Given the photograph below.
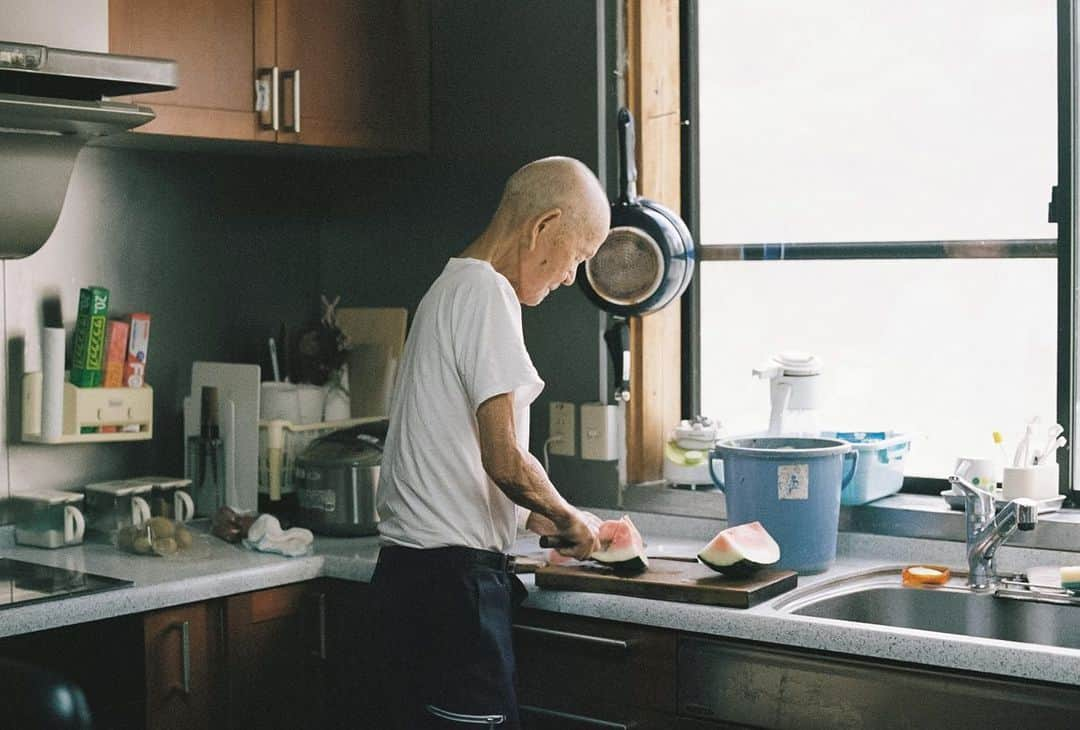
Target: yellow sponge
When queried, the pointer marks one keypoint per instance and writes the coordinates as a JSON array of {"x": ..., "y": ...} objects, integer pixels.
[{"x": 1070, "y": 578}]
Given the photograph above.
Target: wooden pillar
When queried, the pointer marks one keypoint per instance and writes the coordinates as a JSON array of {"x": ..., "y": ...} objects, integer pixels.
[{"x": 652, "y": 28}]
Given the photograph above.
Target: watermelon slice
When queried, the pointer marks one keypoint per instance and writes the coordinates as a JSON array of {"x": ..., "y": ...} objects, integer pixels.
[
  {"x": 621, "y": 546},
  {"x": 741, "y": 550}
]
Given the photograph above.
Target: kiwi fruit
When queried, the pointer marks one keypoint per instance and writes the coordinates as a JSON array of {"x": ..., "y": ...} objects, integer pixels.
[
  {"x": 165, "y": 546},
  {"x": 183, "y": 538},
  {"x": 142, "y": 545},
  {"x": 162, "y": 527}
]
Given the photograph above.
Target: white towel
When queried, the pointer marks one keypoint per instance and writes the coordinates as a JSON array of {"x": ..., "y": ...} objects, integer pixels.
[{"x": 266, "y": 535}]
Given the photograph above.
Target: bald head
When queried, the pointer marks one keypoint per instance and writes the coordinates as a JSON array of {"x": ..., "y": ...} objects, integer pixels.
[{"x": 561, "y": 183}]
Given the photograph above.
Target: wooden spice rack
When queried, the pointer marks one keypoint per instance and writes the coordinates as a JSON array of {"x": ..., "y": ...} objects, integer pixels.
[{"x": 90, "y": 407}]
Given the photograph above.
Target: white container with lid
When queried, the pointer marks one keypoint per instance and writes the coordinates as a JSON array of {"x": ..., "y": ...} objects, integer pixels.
[{"x": 49, "y": 518}]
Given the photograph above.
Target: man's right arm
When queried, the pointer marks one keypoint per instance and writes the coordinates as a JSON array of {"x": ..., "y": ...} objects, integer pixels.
[{"x": 518, "y": 474}]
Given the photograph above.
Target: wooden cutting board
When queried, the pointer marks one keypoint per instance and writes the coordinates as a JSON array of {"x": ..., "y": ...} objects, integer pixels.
[{"x": 670, "y": 580}]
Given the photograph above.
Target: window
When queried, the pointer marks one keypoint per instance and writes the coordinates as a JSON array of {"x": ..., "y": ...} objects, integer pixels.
[{"x": 874, "y": 180}]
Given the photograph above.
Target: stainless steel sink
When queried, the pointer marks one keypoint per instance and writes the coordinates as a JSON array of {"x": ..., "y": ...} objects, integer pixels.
[{"x": 878, "y": 597}]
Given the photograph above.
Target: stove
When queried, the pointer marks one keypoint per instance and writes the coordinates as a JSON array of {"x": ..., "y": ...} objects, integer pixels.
[{"x": 22, "y": 583}]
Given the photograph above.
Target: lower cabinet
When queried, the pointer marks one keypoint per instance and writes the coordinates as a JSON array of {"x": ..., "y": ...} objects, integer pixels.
[
  {"x": 183, "y": 650},
  {"x": 585, "y": 673}
]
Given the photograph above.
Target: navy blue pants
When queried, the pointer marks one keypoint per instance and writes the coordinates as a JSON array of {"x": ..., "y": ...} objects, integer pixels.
[{"x": 443, "y": 635}]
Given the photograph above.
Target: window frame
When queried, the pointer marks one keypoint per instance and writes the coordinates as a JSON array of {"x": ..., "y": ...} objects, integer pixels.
[{"x": 1061, "y": 210}]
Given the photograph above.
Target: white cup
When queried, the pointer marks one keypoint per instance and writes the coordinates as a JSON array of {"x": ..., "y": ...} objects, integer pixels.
[
  {"x": 980, "y": 471},
  {"x": 279, "y": 401},
  {"x": 311, "y": 399},
  {"x": 1036, "y": 482}
]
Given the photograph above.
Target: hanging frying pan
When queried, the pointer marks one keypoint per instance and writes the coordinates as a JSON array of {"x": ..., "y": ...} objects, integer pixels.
[{"x": 647, "y": 260}]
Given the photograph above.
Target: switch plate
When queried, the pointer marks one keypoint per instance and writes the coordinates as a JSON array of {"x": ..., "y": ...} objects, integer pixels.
[
  {"x": 599, "y": 432},
  {"x": 562, "y": 422}
]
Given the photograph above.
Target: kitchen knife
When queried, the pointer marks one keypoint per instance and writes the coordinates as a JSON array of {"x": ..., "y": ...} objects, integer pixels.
[{"x": 551, "y": 541}]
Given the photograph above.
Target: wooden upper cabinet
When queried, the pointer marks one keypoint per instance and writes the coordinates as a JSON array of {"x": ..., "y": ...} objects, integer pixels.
[
  {"x": 214, "y": 44},
  {"x": 357, "y": 72},
  {"x": 364, "y": 72}
]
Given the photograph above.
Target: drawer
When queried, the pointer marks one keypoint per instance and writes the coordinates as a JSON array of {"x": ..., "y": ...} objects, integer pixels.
[{"x": 577, "y": 665}]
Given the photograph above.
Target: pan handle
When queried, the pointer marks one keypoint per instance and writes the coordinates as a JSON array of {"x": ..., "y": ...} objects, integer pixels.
[
  {"x": 616, "y": 337},
  {"x": 627, "y": 163}
]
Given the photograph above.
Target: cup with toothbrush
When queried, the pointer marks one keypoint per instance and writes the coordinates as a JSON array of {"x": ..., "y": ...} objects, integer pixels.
[{"x": 1034, "y": 471}]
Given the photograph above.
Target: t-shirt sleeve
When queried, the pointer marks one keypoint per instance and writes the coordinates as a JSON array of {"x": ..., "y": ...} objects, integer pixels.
[{"x": 489, "y": 346}]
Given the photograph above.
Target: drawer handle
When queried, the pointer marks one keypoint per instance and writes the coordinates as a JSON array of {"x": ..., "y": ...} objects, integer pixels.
[
  {"x": 320, "y": 602},
  {"x": 293, "y": 75},
  {"x": 264, "y": 86},
  {"x": 580, "y": 638},
  {"x": 185, "y": 655},
  {"x": 580, "y": 719}
]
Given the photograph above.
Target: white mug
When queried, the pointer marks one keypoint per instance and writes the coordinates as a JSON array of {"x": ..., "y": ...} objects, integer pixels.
[
  {"x": 311, "y": 399},
  {"x": 980, "y": 471},
  {"x": 1036, "y": 482},
  {"x": 278, "y": 401}
]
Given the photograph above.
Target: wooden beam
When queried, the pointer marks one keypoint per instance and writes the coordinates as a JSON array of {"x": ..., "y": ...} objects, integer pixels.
[{"x": 652, "y": 28}]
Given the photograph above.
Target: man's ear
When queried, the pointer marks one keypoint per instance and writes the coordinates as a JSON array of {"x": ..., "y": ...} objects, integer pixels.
[{"x": 541, "y": 222}]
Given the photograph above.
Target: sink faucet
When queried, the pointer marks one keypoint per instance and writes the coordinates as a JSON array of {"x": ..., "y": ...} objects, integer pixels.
[{"x": 987, "y": 530}]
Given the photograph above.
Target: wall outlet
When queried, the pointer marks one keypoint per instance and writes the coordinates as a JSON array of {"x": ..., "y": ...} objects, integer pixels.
[
  {"x": 562, "y": 424},
  {"x": 599, "y": 432}
]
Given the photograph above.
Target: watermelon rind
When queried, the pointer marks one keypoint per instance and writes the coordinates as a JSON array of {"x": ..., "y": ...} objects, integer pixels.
[{"x": 731, "y": 553}]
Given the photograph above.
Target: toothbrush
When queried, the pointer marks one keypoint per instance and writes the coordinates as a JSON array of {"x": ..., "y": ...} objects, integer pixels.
[
  {"x": 1052, "y": 441},
  {"x": 1000, "y": 441},
  {"x": 1050, "y": 450}
]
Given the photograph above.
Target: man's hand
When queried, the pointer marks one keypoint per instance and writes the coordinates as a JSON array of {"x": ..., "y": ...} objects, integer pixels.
[
  {"x": 580, "y": 535},
  {"x": 541, "y": 525}
]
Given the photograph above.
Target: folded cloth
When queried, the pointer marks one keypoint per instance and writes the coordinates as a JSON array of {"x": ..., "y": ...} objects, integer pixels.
[{"x": 266, "y": 535}]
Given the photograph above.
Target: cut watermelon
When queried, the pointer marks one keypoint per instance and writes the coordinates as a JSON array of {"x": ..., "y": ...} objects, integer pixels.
[
  {"x": 741, "y": 550},
  {"x": 621, "y": 546}
]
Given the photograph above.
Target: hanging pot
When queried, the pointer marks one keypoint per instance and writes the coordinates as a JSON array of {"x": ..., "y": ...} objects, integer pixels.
[{"x": 647, "y": 260}]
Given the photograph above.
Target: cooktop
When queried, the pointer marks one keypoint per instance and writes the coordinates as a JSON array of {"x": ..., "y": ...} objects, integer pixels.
[{"x": 22, "y": 583}]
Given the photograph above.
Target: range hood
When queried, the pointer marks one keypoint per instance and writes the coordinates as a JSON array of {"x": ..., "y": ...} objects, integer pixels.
[{"x": 52, "y": 102}]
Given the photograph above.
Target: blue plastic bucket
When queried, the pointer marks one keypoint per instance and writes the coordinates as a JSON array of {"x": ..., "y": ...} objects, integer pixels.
[{"x": 791, "y": 485}]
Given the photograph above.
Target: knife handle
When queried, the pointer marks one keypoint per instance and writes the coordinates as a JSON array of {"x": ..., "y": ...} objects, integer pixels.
[{"x": 551, "y": 541}]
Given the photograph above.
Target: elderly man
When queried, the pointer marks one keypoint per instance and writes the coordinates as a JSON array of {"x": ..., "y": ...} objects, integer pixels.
[{"x": 457, "y": 478}]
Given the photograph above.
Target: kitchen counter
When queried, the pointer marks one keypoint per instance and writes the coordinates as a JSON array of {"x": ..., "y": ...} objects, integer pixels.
[{"x": 230, "y": 569}]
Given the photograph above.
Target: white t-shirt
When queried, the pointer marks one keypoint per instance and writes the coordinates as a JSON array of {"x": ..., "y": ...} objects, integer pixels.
[{"x": 465, "y": 346}]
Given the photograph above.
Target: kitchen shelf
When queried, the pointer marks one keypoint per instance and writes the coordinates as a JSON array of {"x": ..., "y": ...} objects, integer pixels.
[{"x": 90, "y": 407}]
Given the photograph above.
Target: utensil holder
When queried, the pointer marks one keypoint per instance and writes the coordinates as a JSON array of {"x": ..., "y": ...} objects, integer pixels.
[{"x": 90, "y": 408}]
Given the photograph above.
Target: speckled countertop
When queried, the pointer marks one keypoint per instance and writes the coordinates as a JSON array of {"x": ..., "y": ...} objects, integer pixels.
[{"x": 226, "y": 569}]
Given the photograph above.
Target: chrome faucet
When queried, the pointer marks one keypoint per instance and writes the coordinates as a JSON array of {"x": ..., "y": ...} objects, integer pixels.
[{"x": 987, "y": 530}]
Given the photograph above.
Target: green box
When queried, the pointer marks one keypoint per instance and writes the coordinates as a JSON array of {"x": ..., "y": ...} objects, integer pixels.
[{"x": 88, "y": 358}]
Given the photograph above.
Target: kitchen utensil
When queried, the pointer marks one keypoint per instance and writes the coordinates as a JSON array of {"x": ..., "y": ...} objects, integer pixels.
[
  {"x": 670, "y": 580},
  {"x": 278, "y": 402},
  {"x": 372, "y": 368},
  {"x": 792, "y": 487},
  {"x": 274, "y": 361},
  {"x": 336, "y": 478},
  {"x": 647, "y": 260},
  {"x": 48, "y": 518},
  {"x": 237, "y": 385},
  {"x": 113, "y": 505},
  {"x": 794, "y": 392},
  {"x": 881, "y": 464},
  {"x": 206, "y": 456}
]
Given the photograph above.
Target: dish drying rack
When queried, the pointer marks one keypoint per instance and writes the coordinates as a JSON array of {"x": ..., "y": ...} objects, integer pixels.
[
  {"x": 1022, "y": 590},
  {"x": 281, "y": 442}
]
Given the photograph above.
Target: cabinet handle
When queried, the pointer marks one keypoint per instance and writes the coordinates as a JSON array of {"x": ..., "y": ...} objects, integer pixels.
[
  {"x": 579, "y": 719},
  {"x": 185, "y": 655},
  {"x": 293, "y": 75},
  {"x": 580, "y": 638},
  {"x": 320, "y": 600},
  {"x": 272, "y": 85}
]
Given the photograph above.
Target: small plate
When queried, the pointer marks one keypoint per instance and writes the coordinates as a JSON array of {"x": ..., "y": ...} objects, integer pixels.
[{"x": 1051, "y": 504}]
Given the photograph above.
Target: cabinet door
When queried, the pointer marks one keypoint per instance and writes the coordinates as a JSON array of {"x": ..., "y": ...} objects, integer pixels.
[
  {"x": 218, "y": 51},
  {"x": 364, "y": 73},
  {"x": 276, "y": 641},
  {"x": 182, "y": 660}
]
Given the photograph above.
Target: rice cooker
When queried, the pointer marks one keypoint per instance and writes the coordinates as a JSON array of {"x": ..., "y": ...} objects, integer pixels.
[{"x": 336, "y": 479}]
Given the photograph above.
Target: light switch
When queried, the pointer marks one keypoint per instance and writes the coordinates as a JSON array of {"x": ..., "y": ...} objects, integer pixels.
[{"x": 599, "y": 432}]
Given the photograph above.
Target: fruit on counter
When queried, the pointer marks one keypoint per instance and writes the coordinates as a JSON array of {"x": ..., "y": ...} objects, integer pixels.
[
  {"x": 141, "y": 544},
  {"x": 158, "y": 536},
  {"x": 230, "y": 525},
  {"x": 741, "y": 550},
  {"x": 165, "y": 546},
  {"x": 621, "y": 546},
  {"x": 161, "y": 527},
  {"x": 183, "y": 538}
]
